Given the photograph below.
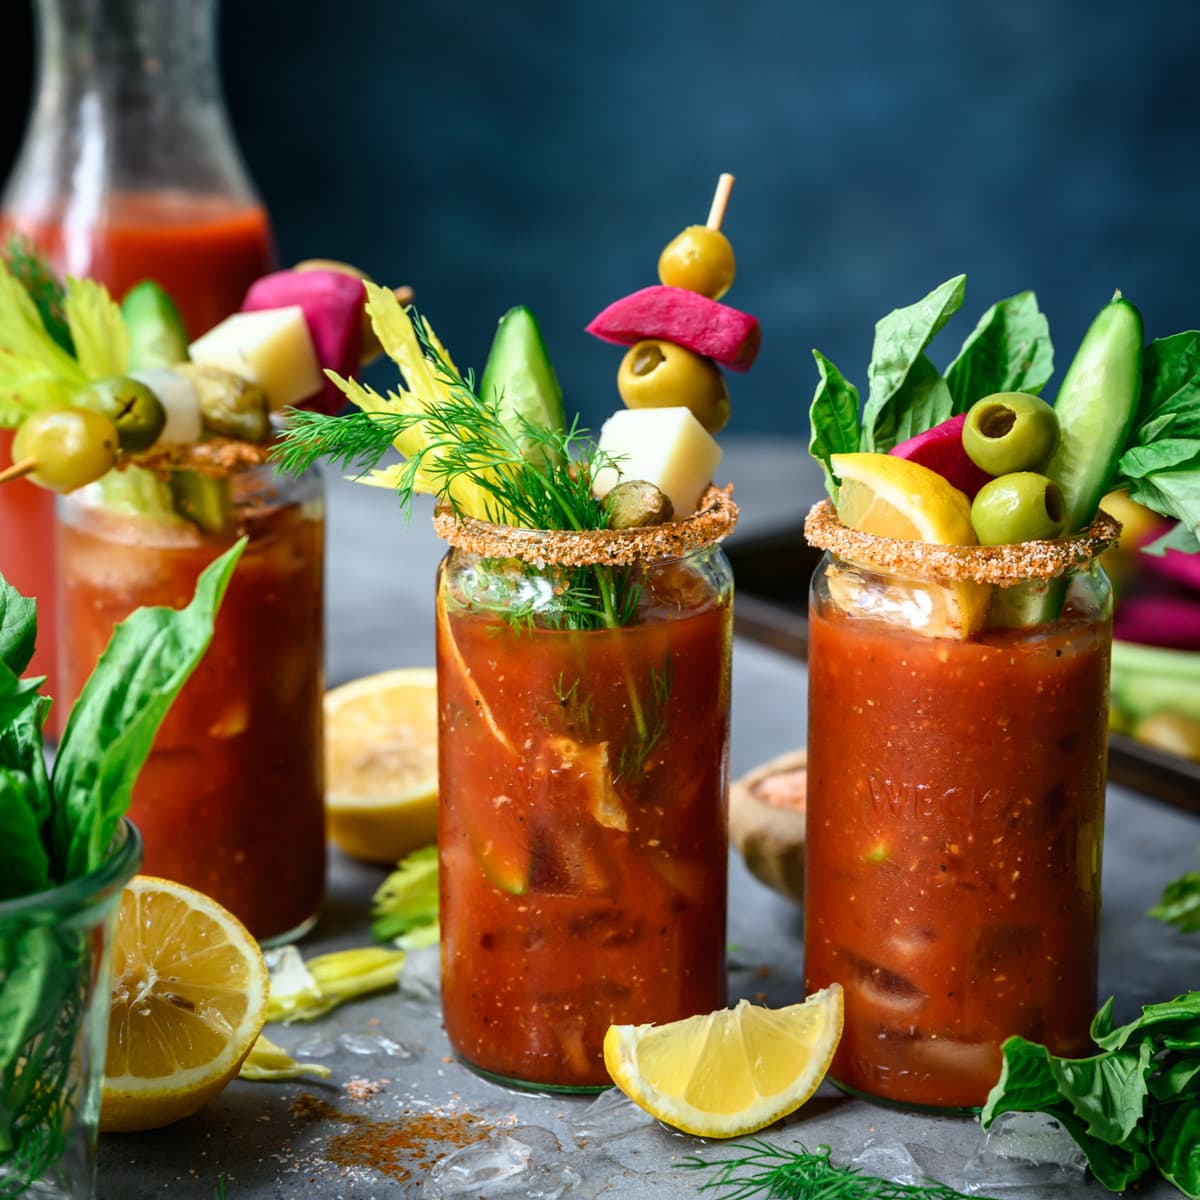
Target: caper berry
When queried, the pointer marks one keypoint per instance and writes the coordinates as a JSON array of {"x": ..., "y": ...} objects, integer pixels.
[
  {"x": 1174, "y": 732},
  {"x": 1010, "y": 431},
  {"x": 230, "y": 406},
  {"x": 698, "y": 259},
  {"x": 1019, "y": 507},
  {"x": 71, "y": 446},
  {"x": 636, "y": 503},
  {"x": 131, "y": 406},
  {"x": 658, "y": 374}
]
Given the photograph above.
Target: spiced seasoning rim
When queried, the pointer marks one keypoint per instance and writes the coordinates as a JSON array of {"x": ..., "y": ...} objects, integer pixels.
[
  {"x": 710, "y": 524},
  {"x": 1002, "y": 566}
]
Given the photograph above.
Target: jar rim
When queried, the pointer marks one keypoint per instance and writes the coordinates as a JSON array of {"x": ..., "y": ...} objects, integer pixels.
[
  {"x": 119, "y": 866},
  {"x": 1002, "y": 566},
  {"x": 216, "y": 456},
  {"x": 711, "y": 523}
]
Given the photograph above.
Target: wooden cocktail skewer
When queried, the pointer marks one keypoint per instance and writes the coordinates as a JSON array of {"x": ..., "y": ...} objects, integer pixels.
[
  {"x": 19, "y": 470},
  {"x": 720, "y": 201}
]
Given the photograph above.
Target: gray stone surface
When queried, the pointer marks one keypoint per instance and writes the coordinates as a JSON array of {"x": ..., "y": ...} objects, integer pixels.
[{"x": 380, "y": 609}]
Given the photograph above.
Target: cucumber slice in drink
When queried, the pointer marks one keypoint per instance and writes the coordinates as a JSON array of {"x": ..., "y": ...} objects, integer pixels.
[
  {"x": 157, "y": 337},
  {"x": 1096, "y": 408},
  {"x": 519, "y": 372}
]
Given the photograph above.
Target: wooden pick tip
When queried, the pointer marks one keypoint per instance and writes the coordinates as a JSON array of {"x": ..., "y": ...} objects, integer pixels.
[
  {"x": 720, "y": 201},
  {"x": 19, "y": 470}
]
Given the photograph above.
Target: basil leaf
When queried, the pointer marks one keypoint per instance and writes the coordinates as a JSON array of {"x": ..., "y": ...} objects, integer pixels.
[
  {"x": 1177, "y": 1077},
  {"x": 18, "y": 627},
  {"x": 24, "y": 865},
  {"x": 832, "y": 418},
  {"x": 1175, "y": 1144},
  {"x": 900, "y": 341},
  {"x": 1170, "y": 385},
  {"x": 1008, "y": 351},
  {"x": 112, "y": 726},
  {"x": 1180, "y": 903},
  {"x": 1178, "y": 1018},
  {"x": 1108, "y": 1091}
]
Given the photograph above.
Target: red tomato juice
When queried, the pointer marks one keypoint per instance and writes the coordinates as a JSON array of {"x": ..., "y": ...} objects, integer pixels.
[
  {"x": 583, "y": 877},
  {"x": 206, "y": 251},
  {"x": 955, "y": 816},
  {"x": 231, "y": 799}
]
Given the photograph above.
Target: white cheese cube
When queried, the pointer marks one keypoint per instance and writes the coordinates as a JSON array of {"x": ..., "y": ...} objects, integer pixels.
[
  {"x": 179, "y": 398},
  {"x": 271, "y": 347},
  {"x": 667, "y": 447}
]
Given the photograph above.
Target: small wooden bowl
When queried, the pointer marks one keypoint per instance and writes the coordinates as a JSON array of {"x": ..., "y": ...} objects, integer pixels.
[{"x": 769, "y": 832}]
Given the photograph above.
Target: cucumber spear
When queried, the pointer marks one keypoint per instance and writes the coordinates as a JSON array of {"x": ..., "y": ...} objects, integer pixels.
[{"x": 1096, "y": 408}]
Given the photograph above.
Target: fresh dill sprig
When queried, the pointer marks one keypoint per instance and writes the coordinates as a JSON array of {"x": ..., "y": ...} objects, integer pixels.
[
  {"x": 515, "y": 471},
  {"x": 762, "y": 1169}
]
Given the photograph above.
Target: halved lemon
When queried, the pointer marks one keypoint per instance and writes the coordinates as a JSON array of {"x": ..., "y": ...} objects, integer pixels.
[
  {"x": 892, "y": 497},
  {"x": 381, "y": 764},
  {"x": 189, "y": 997},
  {"x": 731, "y": 1072}
]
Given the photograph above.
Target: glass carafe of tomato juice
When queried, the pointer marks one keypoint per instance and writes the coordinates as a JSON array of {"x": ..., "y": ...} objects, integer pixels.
[
  {"x": 955, "y": 802},
  {"x": 583, "y": 778},
  {"x": 128, "y": 170}
]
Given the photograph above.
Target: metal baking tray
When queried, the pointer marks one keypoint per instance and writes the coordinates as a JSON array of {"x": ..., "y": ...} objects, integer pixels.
[{"x": 772, "y": 573}]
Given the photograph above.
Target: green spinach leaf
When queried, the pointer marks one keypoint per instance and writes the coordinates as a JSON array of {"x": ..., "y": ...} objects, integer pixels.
[
  {"x": 112, "y": 726},
  {"x": 1008, "y": 351},
  {"x": 833, "y": 418},
  {"x": 902, "y": 396}
]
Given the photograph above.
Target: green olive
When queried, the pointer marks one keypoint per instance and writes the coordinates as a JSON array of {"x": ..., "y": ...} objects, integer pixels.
[
  {"x": 1170, "y": 731},
  {"x": 1019, "y": 507},
  {"x": 131, "y": 406},
  {"x": 230, "y": 406},
  {"x": 698, "y": 259},
  {"x": 1010, "y": 431},
  {"x": 71, "y": 446},
  {"x": 656, "y": 374}
]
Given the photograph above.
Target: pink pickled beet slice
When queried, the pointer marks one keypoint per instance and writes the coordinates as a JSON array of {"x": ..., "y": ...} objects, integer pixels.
[
  {"x": 941, "y": 450},
  {"x": 333, "y": 308},
  {"x": 1173, "y": 567},
  {"x": 1171, "y": 621},
  {"x": 726, "y": 335}
]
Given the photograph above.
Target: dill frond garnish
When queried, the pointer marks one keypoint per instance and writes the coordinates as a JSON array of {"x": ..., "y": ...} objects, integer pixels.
[
  {"x": 758, "y": 1168},
  {"x": 468, "y": 451}
]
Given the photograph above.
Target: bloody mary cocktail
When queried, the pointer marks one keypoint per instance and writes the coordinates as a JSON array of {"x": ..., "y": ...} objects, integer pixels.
[
  {"x": 231, "y": 799},
  {"x": 955, "y": 820},
  {"x": 205, "y": 250},
  {"x": 583, "y": 787}
]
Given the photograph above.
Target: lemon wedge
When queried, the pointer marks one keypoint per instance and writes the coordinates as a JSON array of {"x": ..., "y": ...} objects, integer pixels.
[
  {"x": 189, "y": 998},
  {"x": 381, "y": 764},
  {"x": 892, "y": 497},
  {"x": 730, "y": 1072}
]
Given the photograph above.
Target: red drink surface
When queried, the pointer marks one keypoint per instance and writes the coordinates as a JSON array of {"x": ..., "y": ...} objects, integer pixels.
[
  {"x": 583, "y": 883},
  {"x": 231, "y": 800},
  {"x": 27, "y": 556},
  {"x": 955, "y": 816},
  {"x": 204, "y": 250}
]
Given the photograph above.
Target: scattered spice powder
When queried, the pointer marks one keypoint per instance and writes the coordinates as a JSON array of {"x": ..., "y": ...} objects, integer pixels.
[
  {"x": 410, "y": 1143},
  {"x": 364, "y": 1089}
]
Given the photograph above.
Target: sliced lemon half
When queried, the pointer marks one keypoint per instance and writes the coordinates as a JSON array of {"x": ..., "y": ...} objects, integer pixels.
[
  {"x": 189, "y": 997},
  {"x": 730, "y": 1072},
  {"x": 381, "y": 764},
  {"x": 892, "y": 497}
]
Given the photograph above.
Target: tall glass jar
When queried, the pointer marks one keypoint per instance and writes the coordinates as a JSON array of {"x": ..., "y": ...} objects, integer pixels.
[
  {"x": 55, "y": 974},
  {"x": 231, "y": 799},
  {"x": 128, "y": 170},
  {"x": 956, "y": 773},
  {"x": 583, "y": 782}
]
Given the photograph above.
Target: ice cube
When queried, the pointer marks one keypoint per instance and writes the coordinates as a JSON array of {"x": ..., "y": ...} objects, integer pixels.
[
  {"x": 889, "y": 1160},
  {"x": 1024, "y": 1150},
  {"x": 526, "y": 1161}
]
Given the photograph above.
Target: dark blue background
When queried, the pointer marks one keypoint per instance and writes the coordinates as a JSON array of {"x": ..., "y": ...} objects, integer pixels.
[{"x": 542, "y": 152}]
